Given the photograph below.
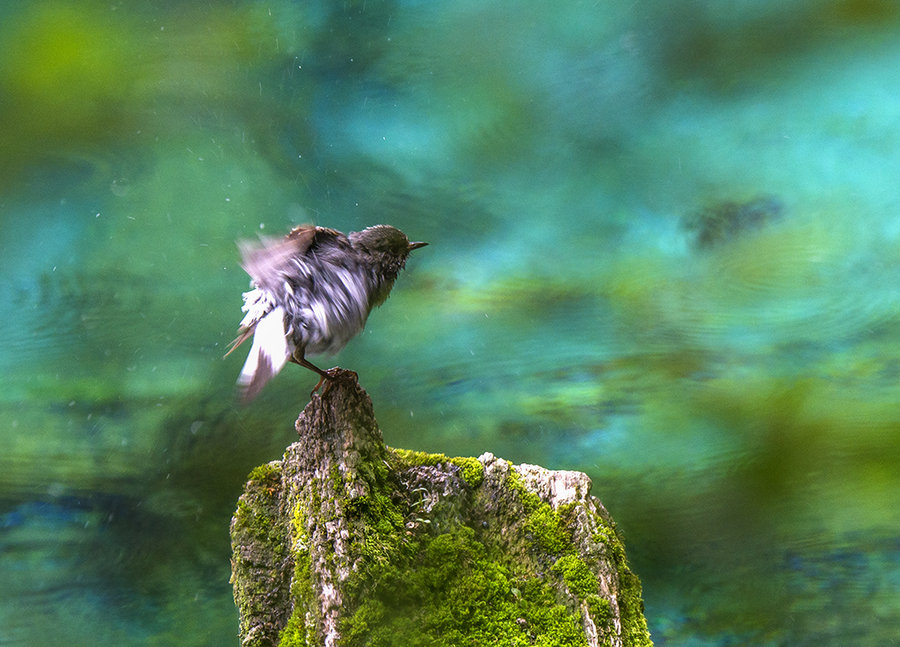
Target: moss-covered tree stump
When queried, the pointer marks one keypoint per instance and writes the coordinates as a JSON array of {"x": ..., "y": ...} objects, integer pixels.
[{"x": 347, "y": 542}]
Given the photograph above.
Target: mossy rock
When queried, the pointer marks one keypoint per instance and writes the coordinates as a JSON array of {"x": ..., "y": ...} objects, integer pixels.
[{"x": 345, "y": 542}]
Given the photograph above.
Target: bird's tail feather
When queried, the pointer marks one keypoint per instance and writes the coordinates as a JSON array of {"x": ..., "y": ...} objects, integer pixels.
[{"x": 268, "y": 354}]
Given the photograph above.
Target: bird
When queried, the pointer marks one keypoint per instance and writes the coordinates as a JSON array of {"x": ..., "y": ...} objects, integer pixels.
[{"x": 311, "y": 293}]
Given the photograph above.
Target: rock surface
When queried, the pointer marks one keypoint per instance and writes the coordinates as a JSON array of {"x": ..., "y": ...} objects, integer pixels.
[{"x": 347, "y": 542}]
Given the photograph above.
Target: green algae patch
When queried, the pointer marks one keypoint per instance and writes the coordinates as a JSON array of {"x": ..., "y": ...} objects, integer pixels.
[{"x": 448, "y": 591}]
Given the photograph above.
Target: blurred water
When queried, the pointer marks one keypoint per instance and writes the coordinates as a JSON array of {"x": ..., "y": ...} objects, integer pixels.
[{"x": 664, "y": 250}]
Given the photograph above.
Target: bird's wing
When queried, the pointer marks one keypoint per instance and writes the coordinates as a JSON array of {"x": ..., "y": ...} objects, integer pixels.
[
  {"x": 264, "y": 260},
  {"x": 327, "y": 238},
  {"x": 302, "y": 235}
]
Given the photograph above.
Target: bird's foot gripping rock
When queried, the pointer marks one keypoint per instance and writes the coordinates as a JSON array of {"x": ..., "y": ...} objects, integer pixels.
[{"x": 332, "y": 375}]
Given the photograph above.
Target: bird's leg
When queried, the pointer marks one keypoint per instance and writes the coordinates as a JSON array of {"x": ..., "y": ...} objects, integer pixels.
[{"x": 298, "y": 358}]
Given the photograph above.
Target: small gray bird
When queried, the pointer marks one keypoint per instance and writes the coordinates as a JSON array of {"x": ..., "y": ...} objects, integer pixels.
[{"x": 312, "y": 292}]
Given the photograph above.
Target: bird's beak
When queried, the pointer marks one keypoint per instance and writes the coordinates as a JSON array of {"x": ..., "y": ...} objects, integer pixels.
[{"x": 413, "y": 246}]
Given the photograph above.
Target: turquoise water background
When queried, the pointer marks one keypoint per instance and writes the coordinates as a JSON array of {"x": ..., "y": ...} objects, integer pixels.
[{"x": 665, "y": 250}]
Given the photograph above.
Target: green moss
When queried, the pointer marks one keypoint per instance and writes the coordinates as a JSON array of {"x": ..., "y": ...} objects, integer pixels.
[
  {"x": 530, "y": 500},
  {"x": 259, "y": 531},
  {"x": 447, "y": 591},
  {"x": 294, "y": 633},
  {"x": 383, "y": 524},
  {"x": 415, "y": 589},
  {"x": 577, "y": 576},
  {"x": 254, "y": 514},
  {"x": 549, "y": 529},
  {"x": 600, "y": 610},
  {"x": 631, "y": 610},
  {"x": 335, "y": 478},
  {"x": 412, "y": 457},
  {"x": 379, "y": 536},
  {"x": 298, "y": 524},
  {"x": 269, "y": 473},
  {"x": 301, "y": 586},
  {"x": 471, "y": 469},
  {"x": 631, "y": 603},
  {"x": 604, "y": 535}
]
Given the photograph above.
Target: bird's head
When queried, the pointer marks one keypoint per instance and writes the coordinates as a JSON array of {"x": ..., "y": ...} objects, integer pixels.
[{"x": 384, "y": 241}]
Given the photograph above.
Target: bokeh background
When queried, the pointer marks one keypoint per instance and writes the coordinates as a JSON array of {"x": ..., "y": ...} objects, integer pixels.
[{"x": 665, "y": 250}]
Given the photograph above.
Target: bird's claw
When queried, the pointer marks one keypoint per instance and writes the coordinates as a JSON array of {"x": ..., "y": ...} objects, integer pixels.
[
  {"x": 319, "y": 385},
  {"x": 329, "y": 377}
]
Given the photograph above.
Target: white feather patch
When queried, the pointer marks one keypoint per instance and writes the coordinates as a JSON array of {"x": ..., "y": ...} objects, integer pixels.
[{"x": 268, "y": 355}]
